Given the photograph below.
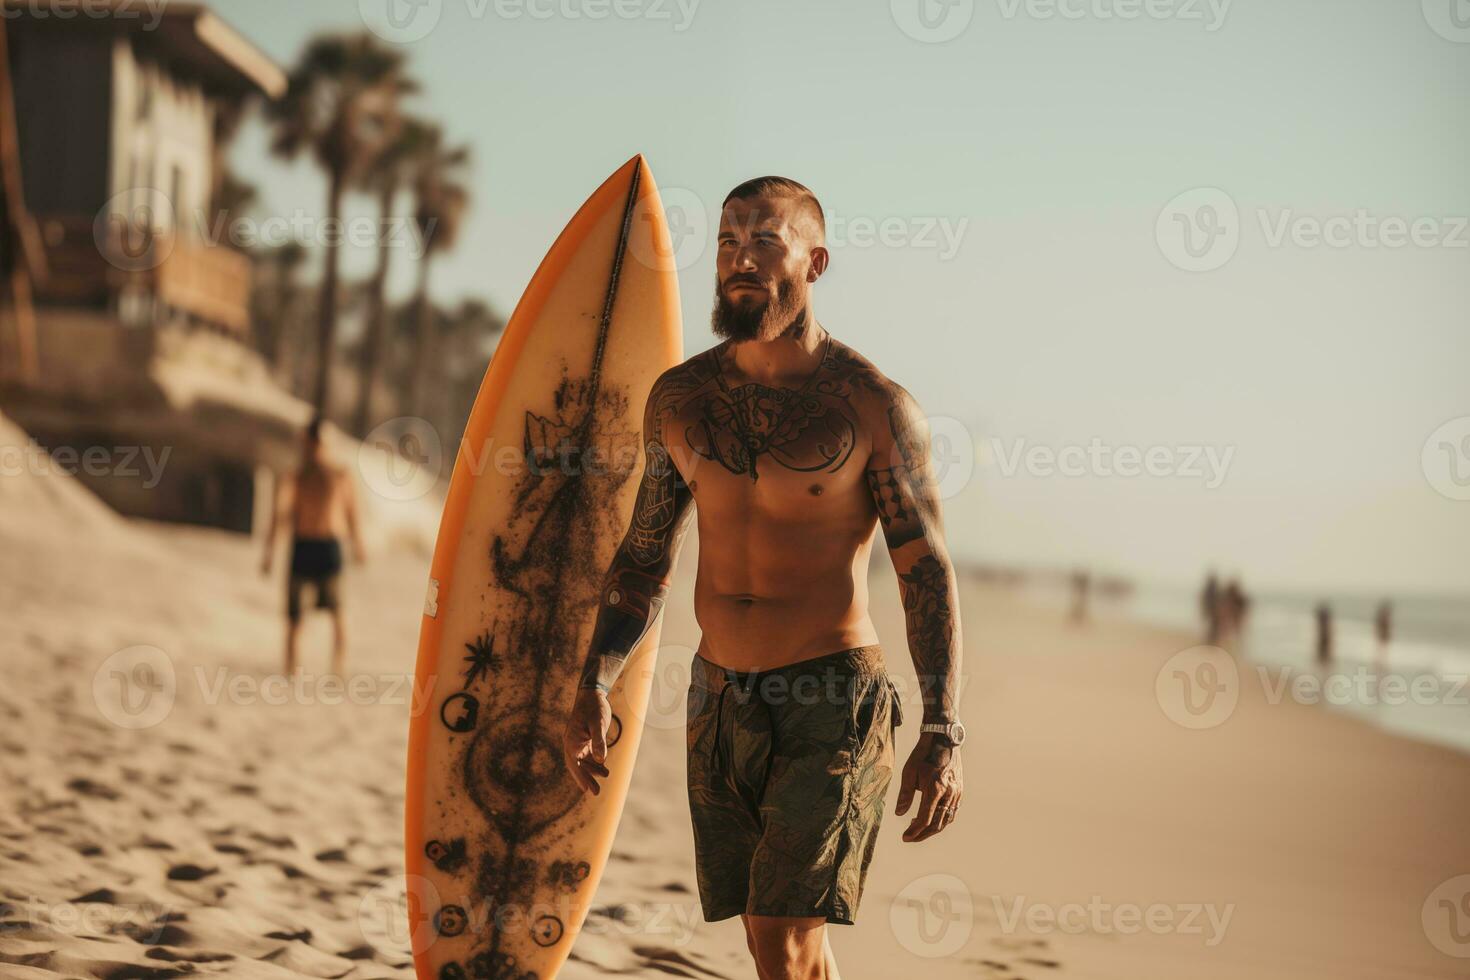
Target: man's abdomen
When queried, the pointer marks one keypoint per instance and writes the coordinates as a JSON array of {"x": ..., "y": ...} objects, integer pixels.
[{"x": 758, "y": 610}]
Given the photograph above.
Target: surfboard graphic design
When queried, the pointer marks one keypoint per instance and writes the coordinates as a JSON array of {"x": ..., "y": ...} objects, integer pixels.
[{"x": 503, "y": 851}]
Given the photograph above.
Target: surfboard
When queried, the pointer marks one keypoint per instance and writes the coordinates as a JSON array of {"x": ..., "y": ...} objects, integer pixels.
[{"x": 503, "y": 851}]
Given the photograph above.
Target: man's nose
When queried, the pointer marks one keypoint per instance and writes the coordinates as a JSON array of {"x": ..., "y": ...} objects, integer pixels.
[{"x": 744, "y": 260}]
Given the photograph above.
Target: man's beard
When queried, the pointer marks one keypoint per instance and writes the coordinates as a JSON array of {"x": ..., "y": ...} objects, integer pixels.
[{"x": 757, "y": 321}]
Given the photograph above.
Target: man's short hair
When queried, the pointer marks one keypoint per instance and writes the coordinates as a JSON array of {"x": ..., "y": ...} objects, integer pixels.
[{"x": 776, "y": 187}]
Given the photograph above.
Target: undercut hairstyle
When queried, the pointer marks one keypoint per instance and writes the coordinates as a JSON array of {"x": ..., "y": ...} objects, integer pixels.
[{"x": 782, "y": 186}]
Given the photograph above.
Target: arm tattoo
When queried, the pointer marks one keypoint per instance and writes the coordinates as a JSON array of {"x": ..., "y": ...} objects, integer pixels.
[
  {"x": 933, "y": 635},
  {"x": 637, "y": 581},
  {"x": 904, "y": 491},
  {"x": 905, "y": 494}
]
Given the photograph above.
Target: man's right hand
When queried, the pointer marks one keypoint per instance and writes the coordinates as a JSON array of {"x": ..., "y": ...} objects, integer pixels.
[{"x": 584, "y": 744}]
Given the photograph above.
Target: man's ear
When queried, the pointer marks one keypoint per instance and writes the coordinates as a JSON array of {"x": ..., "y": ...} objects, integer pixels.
[{"x": 819, "y": 257}]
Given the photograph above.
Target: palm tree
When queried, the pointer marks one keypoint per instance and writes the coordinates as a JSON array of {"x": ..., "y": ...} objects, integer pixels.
[
  {"x": 341, "y": 104},
  {"x": 275, "y": 304},
  {"x": 440, "y": 201},
  {"x": 394, "y": 167}
]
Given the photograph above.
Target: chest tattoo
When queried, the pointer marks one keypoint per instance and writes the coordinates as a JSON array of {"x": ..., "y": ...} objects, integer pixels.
[{"x": 807, "y": 429}]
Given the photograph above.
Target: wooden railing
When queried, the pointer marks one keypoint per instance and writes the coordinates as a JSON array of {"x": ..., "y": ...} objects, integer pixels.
[{"x": 90, "y": 263}]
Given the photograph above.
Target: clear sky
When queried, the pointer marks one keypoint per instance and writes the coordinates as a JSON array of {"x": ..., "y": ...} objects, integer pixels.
[{"x": 1010, "y": 241}]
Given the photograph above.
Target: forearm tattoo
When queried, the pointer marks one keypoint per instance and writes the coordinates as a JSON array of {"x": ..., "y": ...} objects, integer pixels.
[
  {"x": 928, "y": 607},
  {"x": 637, "y": 582}
]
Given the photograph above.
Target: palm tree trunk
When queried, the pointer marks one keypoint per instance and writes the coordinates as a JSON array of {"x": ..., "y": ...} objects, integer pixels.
[
  {"x": 327, "y": 318},
  {"x": 425, "y": 341},
  {"x": 377, "y": 325},
  {"x": 276, "y": 337}
]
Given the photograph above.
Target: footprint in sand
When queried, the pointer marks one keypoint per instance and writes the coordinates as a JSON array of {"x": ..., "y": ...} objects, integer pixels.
[
  {"x": 86, "y": 787},
  {"x": 673, "y": 962},
  {"x": 190, "y": 872},
  {"x": 1049, "y": 964}
]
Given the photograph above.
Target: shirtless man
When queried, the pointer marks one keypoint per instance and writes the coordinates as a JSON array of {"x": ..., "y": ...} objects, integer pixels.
[
  {"x": 796, "y": 449},
  {"x": 319, "y": 503}
]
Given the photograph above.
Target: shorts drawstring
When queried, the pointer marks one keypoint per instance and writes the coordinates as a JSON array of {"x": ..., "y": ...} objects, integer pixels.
[{"x": 714, "y": 747}]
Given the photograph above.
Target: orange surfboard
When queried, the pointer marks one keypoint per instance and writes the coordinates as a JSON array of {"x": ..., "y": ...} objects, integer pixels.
[{"x": 504, "y": 851}]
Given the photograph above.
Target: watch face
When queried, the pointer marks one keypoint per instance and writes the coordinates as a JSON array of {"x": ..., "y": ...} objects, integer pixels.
[{"x": 957, "y": 733}]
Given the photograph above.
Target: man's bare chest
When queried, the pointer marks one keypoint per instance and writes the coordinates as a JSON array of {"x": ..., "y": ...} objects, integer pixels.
[{"x": 753, "y": 432}]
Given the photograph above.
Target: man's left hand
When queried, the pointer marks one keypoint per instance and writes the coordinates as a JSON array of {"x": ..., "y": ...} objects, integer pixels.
[{"x": 933, "y": 770}]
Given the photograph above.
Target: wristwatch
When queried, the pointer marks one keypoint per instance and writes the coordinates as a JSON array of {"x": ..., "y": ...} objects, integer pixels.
[{"x": 953, "y": 730}]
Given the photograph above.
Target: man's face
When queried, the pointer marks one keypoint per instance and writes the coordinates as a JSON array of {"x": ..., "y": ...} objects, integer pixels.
[{"x": 767, "y": 261}]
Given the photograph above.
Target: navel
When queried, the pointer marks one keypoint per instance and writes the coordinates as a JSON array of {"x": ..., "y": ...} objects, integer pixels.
[{"x": 815, "y": 489}]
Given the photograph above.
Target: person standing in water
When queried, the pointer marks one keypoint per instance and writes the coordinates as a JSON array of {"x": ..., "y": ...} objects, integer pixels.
[
  {"x": 1324, "y": 634},
  {"x": 1209, "y": 606},
  {"x": 1383, "y": 630},
  {"x": 319, "y": 503}
]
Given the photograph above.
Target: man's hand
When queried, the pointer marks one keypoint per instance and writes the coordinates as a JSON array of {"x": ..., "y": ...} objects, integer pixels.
[
  {"x": 933, "y": 770},
  {"x": 584, "y": 743}
]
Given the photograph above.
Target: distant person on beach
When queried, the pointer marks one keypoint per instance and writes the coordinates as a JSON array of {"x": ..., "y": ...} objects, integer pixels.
[
  {"x": 1209, "y": 607},
  {"x": 1324, "y": 634},
  {"x": 1234, "y": 607},
  {"x": 1081, "y": 585},
  {"x": 319, "y": 504},
  {"x": 1383, "y": 629},
  {"x": 797, "y": 451}
]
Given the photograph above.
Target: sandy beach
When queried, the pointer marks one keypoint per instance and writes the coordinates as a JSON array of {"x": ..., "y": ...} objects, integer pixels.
[{"x": 237, "y": 826}]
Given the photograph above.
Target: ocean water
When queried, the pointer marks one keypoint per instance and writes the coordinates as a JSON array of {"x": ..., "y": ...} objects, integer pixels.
[{"x": 1417, "y": 686}]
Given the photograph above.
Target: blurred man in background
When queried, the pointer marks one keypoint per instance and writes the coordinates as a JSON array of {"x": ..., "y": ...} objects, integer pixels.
[{"x": 319, "y": 503}]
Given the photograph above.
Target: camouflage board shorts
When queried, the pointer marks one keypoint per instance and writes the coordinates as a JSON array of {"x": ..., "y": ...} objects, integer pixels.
[{"x": 788, "y": 769}]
